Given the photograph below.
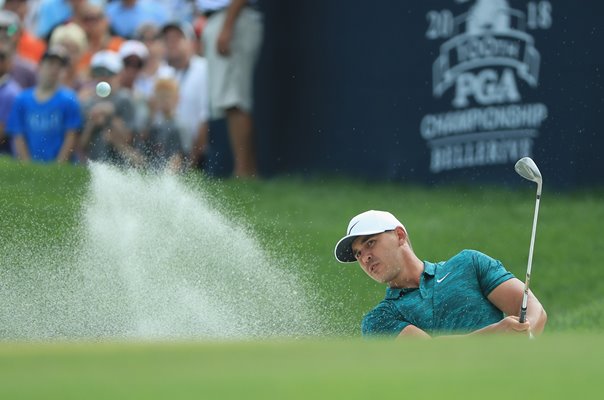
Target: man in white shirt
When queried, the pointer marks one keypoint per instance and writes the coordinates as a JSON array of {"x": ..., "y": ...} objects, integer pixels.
[{"x": 192, "y": 75}]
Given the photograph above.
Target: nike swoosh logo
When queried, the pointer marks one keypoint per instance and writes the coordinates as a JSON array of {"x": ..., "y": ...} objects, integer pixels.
[{"x": 443, "y": 278}]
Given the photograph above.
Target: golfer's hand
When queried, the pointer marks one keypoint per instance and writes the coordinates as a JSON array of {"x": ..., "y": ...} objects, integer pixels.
[{"x": 511, "y": 324}]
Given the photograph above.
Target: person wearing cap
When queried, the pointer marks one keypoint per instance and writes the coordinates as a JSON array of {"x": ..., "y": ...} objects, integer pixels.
[
  {"x": 45, "y": 120},
  {"x": 134, "y": 55},
  {"x": 471, "y": 293},
  {"x": 191, "y": 73},
  {"x": 110, "y": 121},
  {"x": 232, "y": 37}
]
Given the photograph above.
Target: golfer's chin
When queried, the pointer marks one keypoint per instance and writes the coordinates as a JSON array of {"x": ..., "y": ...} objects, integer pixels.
[
  {"x": 377, "y": 277},
  {"x": 380, "y": 277}
]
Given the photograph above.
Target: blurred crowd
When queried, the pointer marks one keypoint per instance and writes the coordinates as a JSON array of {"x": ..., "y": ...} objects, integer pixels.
[{"x": 172, "y": 66}]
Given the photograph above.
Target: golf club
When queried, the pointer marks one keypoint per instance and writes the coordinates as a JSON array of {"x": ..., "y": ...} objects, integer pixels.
[{"x": 527, "y": 169}]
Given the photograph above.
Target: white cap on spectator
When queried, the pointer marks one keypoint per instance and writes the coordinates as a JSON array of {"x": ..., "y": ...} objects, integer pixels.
[
  {"x": 107, "y": 59},
  {"x": 133, "y": 48}
]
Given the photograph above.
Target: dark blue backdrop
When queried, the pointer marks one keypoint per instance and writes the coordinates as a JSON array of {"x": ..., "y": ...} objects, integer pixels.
[{"x": 343, "y": 88}]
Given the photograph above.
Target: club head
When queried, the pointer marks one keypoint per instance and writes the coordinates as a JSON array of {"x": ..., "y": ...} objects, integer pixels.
[{"x": 527, "y": 169}]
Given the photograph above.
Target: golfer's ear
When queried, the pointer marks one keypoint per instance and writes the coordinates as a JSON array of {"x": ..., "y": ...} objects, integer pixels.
[{"x": 400, "y": 232}]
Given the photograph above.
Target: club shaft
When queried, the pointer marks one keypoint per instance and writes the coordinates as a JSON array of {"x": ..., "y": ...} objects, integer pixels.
[{"x": 527, "y": 281}]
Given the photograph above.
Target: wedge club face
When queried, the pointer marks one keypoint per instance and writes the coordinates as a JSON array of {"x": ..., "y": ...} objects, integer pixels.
[{"x": 527, "y": 169}]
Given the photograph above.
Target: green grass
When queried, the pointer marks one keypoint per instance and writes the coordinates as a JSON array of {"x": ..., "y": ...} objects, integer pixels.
[
  {"x": 303, "y": 218},
  {"x": 40, "y": 205},
  {"x": 554, "y": 367}
]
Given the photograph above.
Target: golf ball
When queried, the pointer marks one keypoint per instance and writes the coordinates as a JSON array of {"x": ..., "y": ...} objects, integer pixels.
[{"x": 103, "y": 89}]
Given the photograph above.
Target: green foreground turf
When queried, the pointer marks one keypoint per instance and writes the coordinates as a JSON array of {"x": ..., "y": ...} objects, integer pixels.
[{"x": 554, "y": 367}]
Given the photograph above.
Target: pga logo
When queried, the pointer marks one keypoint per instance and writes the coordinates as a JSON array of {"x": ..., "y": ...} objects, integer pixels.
[
  {"x": 486, "y": 87},
  {"x": 486, "y": 50}
]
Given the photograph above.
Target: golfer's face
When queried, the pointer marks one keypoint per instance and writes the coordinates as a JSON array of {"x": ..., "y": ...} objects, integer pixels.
[{"x": 378, "y": 255}]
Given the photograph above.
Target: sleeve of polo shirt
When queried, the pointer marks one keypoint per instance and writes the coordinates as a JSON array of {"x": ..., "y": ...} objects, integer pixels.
[
  {"x": 490, "y": 272},
  {"x": 383, "y": 320}
]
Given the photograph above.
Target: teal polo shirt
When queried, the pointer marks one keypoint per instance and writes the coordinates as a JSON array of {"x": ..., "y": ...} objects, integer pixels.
[{"x": 451, "y": 298}]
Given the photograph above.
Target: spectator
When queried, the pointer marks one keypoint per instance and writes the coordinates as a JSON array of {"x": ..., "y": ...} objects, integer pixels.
[
  {"x": 28, "y": 46},
  {"x": 134, "y": 55},
  {"x": 231, "y": 41},
  {"x": 155, "y": 66},
  {"x": 95, "y": 24},
  {"x": 44, "y": 120},
  {"x": 107, "y": 133},
  {"x": 22, "y": 70},
  {"x": 163, "y": 147},
  {"x": 125, "y": 16},
  {"x": 53, "y": 13},
  {"x": 9, "y": 89},
  {"x": 191, "y": 74},
  {"x": 72, "y": 37}
]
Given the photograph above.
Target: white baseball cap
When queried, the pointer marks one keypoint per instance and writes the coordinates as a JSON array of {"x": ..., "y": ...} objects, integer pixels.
[
  {"x": 368, "y": 223},
  {"x": 107, "y": 60},
  {"x": 133, "y": 48}
]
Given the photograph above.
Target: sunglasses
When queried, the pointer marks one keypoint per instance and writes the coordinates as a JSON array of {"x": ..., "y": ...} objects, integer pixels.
[
  {"x": 92, "y": 18},
  {"x": 138, "y": 64},
  {"x": 149, "y": 38}
]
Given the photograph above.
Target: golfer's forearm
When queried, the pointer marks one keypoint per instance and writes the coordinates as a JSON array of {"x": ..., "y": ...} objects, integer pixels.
[
  {"x": 489, "y": 329},
  {"x": 536, "y": 315},
  {"x": 412, "y": 331}
]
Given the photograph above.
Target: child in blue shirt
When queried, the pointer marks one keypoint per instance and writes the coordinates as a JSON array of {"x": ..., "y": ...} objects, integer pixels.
[{"x": 44, "y": 120}]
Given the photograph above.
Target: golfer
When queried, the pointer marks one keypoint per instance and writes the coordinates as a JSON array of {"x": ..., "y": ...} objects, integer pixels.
[{"x": 471, "y": 293}]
